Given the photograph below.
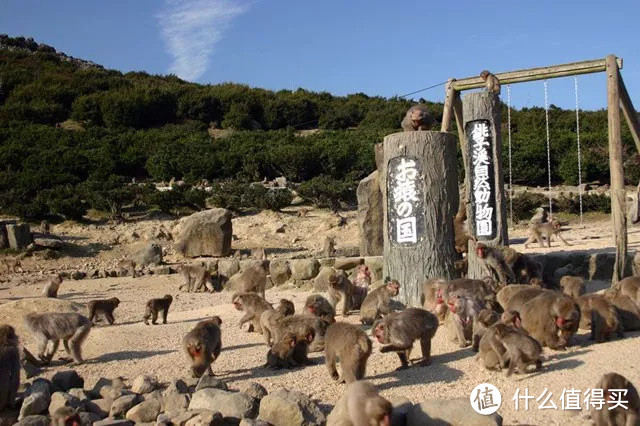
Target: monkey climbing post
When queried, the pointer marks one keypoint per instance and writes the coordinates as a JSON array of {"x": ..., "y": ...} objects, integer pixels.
[{"x": 420, "y": 198}]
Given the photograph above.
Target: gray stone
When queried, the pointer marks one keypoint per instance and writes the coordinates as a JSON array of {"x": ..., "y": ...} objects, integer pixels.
[
  {"x": 87, "y": 419},
  {"x": 34, "y": 420},
  {"x": 304, "y": 269},
  {"x": 79, "y": 393},
  {"x": 228, "y": 268},
  {"x": 163, "y": 419},
  {"x": 280, "y": 271},
  {"x": 177, "y": 386},
  {"x": 321, "y": 281},
  {"x": 348, "y": 263},
  {"x": 327, "y": 261},
  {"x": 150, "y": 254},
  {"x": 146, "y": 411},
  {"x": 109, "y": 421},
  {"x": 37, "y": 400},
  {"x": 53, "y": 243},
  {"x": 206, "y": 233},
  {"x": 100, "y": 407},
  {"x": 290, "y": 408},
  {"x": 182, "y": 418},
  {"x": 370, "y": 215},
  {"x": 78, "y": 275},
  {"x": 455, "y": 412},
  {"x": 63, "y": 399},
  {"x": 211, "y": 382},
  {"x": 144, "y": 384},
  {"x": 236, "y": 405},
  {"x": 19, "y": 235},
  {"x": 113, "y": 392},
  {"x": 155, "y": 395},
  {"x": 253, "y": 389},
  {"x": 175, "y": 402},
  {"x": 253, "y": 422},
  {"x": 207, "y": 418},
  {"x": 163, "y": 270},
  {"x": 123, "y": 404}
]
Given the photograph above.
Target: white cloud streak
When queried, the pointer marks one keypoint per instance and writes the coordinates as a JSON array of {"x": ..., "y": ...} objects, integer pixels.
[{"x": 191, "y": 29}]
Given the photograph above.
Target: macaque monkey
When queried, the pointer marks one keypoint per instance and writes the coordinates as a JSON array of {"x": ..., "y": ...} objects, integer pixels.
[
  {"x": 376, "y": 304},
  {"x": 45, "y": 227},
  {"x": 12, "y": 265},
  {"x": 520, "y": 349},
  {"x": 303, "y": 212},
  {"x": 461, "y": 235},
  {"x": 340, "y": 288},
  {"x": 156, "y": 305},
  {"x": 126, "y": 267},
  {"x": 253, "y": 279},
  {"x": 66, "y": 416},
  {"x": 490, "y": 354},
  {"x": 196, "y": 278},
  {"x": 539, "y": 217},
  {"x": 253, "y": 305},
  {"x": 399, "y": 330},
  {"x": 320, "y": 307},
  {"x": 461, "y": 314},
  {"x": 432, "y": 297},
  {"x": 612, "y": 385},
  {"x": 298, "y": 325},
  {"x": 551, "y": 319},
  {"x": 301, "y": 348},
  {"x": 104, "y": 307},
  {"x": 271, "y": 318},
  {"x": 417, "y": 117},
  {"x": 572, "y": 286},
  {"x": 491, "y": 82},
  {"x": 495, "y": 263},
  {"x": 630, "y": 287},
  {"x": 628, "y": 311},
  {"x": 202, "y": 345},
  {"x": 329, "y": 249},
  {"x": 352, "y": 346},
  {"x": 361, "y": 404},
  {"x": 524, "y": 268},
  {"x": 280, "y": 355},
  {"x": 509, "y": 292},
  {"x": 547, "y": 229},
  {"x": 52, "y": 287},
  {"x": 9, "y": 367},
  {"x": 71, "y": 328},
  {"x": 259, "y": 254},
  {"x": 361, "y": 280},
  {"x": 599, "y": 315},
  {"x": 462, "y": 267},
  {"x": 485, "y": 319}
]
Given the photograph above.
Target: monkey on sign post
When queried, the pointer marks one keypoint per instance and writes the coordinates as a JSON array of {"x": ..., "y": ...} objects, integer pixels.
[{"x": 491, "y": 82}]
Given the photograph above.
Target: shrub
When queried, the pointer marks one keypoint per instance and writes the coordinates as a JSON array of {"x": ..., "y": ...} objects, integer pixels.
[
  {"x": 324, "y": 191},
  {"x": 238, "y": 196},
  {"x": 525, "y": 203}
]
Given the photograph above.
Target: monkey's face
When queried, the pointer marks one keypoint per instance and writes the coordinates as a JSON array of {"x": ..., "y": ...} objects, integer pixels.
[
  {"x": 216, "y": 319},
  {"x": 311, "y": 309},
  {"x": 394, "y": 288},
  {"x": 481, "y": 252},
  {"x": 484, "y": 74},
  {"x": 237, "y": 303},
  {"x": 378, "y": 333}
]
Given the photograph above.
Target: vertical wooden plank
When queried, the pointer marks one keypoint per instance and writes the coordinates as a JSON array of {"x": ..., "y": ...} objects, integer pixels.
[{"x": 447, "y": 112}]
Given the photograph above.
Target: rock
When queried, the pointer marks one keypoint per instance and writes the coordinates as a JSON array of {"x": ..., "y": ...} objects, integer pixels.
[
  {"x": 180, "y": 419},
  {"x": 327, "y": 261},
  {"x": 348, "y": 251},
  {"x": 321, "y": 281},
  {"x": 281, "y": 182},
  {"x": 175, "y": 402},
  {"x": 236, "y": 405},
  {"x": 304, "y": 269},
  {"x": 163, "y": 419},
  {"x": 280, "y": 271},
  {"x": 19, "y": 235},
  {"x": 253, "y": 422},
  {"x": 34, "y": 420},
  {"x": 107, "y": 388},
  {"x": 88, "y": 419},
  {"x": 100, "y": 407},
  {"x": 289, "y": 408},
  {"x": 4, "y": 240},
  {"x": 144, "y": 384},
  {"x": 78, "y": 275},
  {"x": 63, "y": 399},
  {"x": 206, "y": 233},
  {"x": 348, "y": 263},
  {"x": 210, "y": 382},
  {"x": 163, "y": 270},
  {"x": 228, "y": 268},
  {"x": 370, "y": 215},
  {"x": 109, "y": 421},
  {"x": 455, "y": 412},
  {"x": 253, "y": 389},
  {"x": 278, "y": 227},
  {"x": 207, "y": 418},
  {"x": 37, "y": 400},
  {"x": 177, "y": 386},
  {"x": 123, "y": 404},
  {"x": 155, "y": 395},
  {"x": 149, "y": 254},
  {"x": 53, "y": 243},
  {"x": 79, "y": 393},
  {"x": 113, "y": 392},
  {"x": 146, "y": 411}
]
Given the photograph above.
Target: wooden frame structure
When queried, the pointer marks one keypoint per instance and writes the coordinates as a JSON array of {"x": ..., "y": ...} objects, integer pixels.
[{"x": 617, "y": 98}]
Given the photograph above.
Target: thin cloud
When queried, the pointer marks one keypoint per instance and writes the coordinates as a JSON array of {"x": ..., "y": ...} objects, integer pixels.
[{"x": 191, "y": 28}]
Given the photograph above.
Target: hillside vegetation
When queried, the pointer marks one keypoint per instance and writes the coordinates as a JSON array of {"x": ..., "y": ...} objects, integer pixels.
[{"x": 73, "y": 135}]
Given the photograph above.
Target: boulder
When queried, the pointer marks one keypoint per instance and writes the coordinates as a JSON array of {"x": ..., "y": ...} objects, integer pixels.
[
  {"x": 34, "y": 420},
  {"x": 348, "y": 263},
  {"x": 289, "y": 408},
  {"x": 253, "y": 422},
  {"x": 100, "y": 407},
  {"x": 206, "y": 233},
  {"x": 175, "y": 402},
  {"x": 145, "y": 412},
  {"x": 19, "y": 235},
  {"x": 4, "y": 239},
  {"x": 88, "y": 419},
  {"x": 253, "y": 389},
  {"x": 53, "y": 243},
  {"x": 235, "y": 405},
  {"x": 177, "y": 386},
  {"x": 280, "y": 271},
  {"x": 79, "y": 393},
  {"x": 63, "y": 399},
  {"x": 207, "y": 418},
  {"x": 321, "y": 281},
  {"x": 228, "y": 268},
  {"x": 123, "y": 404},
  {"x": 149, "y": 254},
  {"x": 370, "y": 215},
  {"x": 455, "y": 412},
  {"x": 304, "y": 269},
  {"x": 110, "y": 421},
  {"x": 37, "y": 400},
  {"x": 211, "y": 382},
  {"x": 144, "y": 384}
]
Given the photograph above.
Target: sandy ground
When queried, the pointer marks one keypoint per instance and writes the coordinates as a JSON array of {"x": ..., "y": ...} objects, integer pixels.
[{"x": 130, "y": 348}]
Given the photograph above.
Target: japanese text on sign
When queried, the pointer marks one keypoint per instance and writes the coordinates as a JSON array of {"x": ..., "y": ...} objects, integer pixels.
[
  {"x": 483, "y": 200},
  {"x": 405, "y": 200}
]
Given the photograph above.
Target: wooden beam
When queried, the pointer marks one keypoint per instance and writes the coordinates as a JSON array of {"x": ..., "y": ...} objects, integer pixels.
[
  {"x": 618, "y": 210},
  {"x": 541, "y": 73},
  {"x": 629, "y": 113},
  {"x": 447, "y": 112}
]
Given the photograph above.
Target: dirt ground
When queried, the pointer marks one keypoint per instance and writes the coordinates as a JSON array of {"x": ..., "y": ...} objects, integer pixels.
[{"x": 129, "y": 348}]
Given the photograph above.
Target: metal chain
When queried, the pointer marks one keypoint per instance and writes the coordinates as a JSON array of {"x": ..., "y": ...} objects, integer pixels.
[
  {"x": 575, "y": 81},
  {"x": 546, "y": 115},
  {"x": 510, "y": 169}
]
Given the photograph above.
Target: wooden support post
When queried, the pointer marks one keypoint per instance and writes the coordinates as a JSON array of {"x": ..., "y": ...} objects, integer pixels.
[
  {"x": 486, "y": 211},
  {"x": 618, "y": 209},
  {"x": 447, "y": 111},
  {"x": 629, "y": 112},
  {"x": 420, "y": 178}
]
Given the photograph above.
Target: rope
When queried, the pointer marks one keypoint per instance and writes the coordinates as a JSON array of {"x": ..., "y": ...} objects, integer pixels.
[
  {"x": 575, "y": 81},
  {"x": 546, "y": 116},
  {"x": 510, "y": 169},
  {"x": 422, "y": 90}
]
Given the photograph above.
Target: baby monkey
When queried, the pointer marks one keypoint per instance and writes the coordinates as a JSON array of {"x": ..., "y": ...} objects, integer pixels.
[{"x": 154, "y": 306}]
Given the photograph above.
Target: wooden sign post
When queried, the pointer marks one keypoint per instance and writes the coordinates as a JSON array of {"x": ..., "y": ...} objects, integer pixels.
[{"x": 420, "y": 198}]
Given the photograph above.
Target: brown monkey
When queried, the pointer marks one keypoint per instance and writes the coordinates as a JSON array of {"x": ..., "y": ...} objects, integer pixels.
[
  {"x": 461, "y": 267},
  {"x": 253, "y": 279},
  {"x": 612, "y": 385},
  {"x": 494, "y": 262},
  {"x": 320, "y": 307},
  {"x": 432, "y": 297},
  {"x": 399, "y": 330},
  {"x": 519, "y": 349},
  {"x": 507, "y": 293},
  {"x": 12, "y": 265},
  {"x": 599, "y": 315},
  {"x": 202, "y": 345},
  {"x": 340, "y": 288},
  {"x": 71, "y": 328},
  {"x": 482, "y": 291},
  {"x": 628, "y": 311},
  {"x": 196, "y": 278},
  {"x": 539, "y": 217},
  {"x": 491, "y": 82},
  {"x": 485, "y": 319},
  {"x": 259, "y": 254},
  {"x": 298, "y": 325},
  {"x": 417, "y": 118},
  {"x": 329, "y": 249},
  {"x": 104, "y": 307},
  {"x": 546, "y": 229},
  {"x": 126, "y": 267},
  {"x": 461, "y": 314},
  {"x": 361, "y": 280},
  {"x": 280, "y": 355},
  {"x": 52, "y": 287},
  {"x": 630, "y": 287},
  {"x": 253, "y": 306},
  {"x": 45, "y": 227},
  {"x": 271, "y": 318},
  {"x": 376, "y": 304},
  {"x": 486, "y": 350},
  {"x": 572, "y": 286},
  {"x": 66, "y": 416},
  {"x": 156, "y": 305},
  {"x": 303, "y": 212},
  {"x": 461, "y": 236},
  {"x": 361, "y": 405},
  {"x": 9, "y": 366},
  {"x": 524, "y": 268},
  {"x": 349, "y": 343},
  {"x": 551, "y": 318},
  {"x": 301, "y": 348}
]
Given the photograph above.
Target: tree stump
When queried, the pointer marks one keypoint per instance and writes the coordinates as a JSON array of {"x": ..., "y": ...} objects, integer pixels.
[
  {"x": 486, "y": 209},
  {"x": 420, "y": 198}
]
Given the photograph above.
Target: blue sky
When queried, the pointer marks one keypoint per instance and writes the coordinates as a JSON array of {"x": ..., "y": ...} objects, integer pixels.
[{"x": 376, "y": 47}]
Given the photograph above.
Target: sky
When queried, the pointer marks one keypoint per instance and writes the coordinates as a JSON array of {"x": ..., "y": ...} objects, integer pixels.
[{"x": 377, "y": 47}]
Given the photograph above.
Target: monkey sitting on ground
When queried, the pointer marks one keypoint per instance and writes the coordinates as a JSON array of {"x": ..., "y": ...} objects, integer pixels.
[
  {"x": 66, "y": 416},
  {"x": 551, "y": 318},
  {"x": 196, "y": 278},
  {"x": 361, "y": 280},
  {"x": 432, "y": 297},
  {"x": 361, "y": 405},
  {"x": 417, "y": 117},
  {"x": 253, "y": 305},
  {"x": 340, "y": 288},
  {"x": 599, "y": 315},
  {"x": 494, "y": 262},
  {"x": 612, "y": 385},
  {"x": 399, "y": 330},
  {"x": 280, "y": 355},
  {"x": 352, "y": 346},
  {"x": 126, "y": 267},
  {"x": 491, "y": 82},
  {"x": 253, "y": 279},
  {"x": 572, "y": 286},
  {"x": 628, "y": 311},
  {"x": 461, "y": 314},
  {"x": 12, "y": 265},
  {"x": 301, "y": 348},
  {"x": 486, "y": 351},
  {"x": 630, "y": 287},
  {"x": 52, "y": 287},
  {"x": 505, "y": 295},
  {"x": 9, "y": 367},
  {"x": 71, "y": 328},
  {"x": 272, "y": 317},
  {"x": 156, "y": 305},
  {"x": 202, "y": 345},
  {"x": 546, "y": 229},
  {"x": 320, "y": 307},
  {"x": 485, "y": 319},
  {"x": 298, "y": 325},
  {"x": 520, "y": 349},
  {"x": 329, "y": 249},
  {"x": 524, "y": 268},
  {"x": 104, "y": 307},
  {"x": 376, "y": 304}
]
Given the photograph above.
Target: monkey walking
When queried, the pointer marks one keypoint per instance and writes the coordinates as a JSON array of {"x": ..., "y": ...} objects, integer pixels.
[
  {"x": 352, "y": 346},
  {"x": 104, "y": 307},
  {"x": 154, "y": 306},
  {"x": 9, "y": 366},
  {"x": 71, "y": 328},
  {"x": 203, "y": 345},
  {"x": 12, "y": 265},
  {"x": 491, "y": 82},
  {"x": 196, "y": 278},
  {"x": 535, "y": 233},
  {"x": 253, "y": 306}
]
